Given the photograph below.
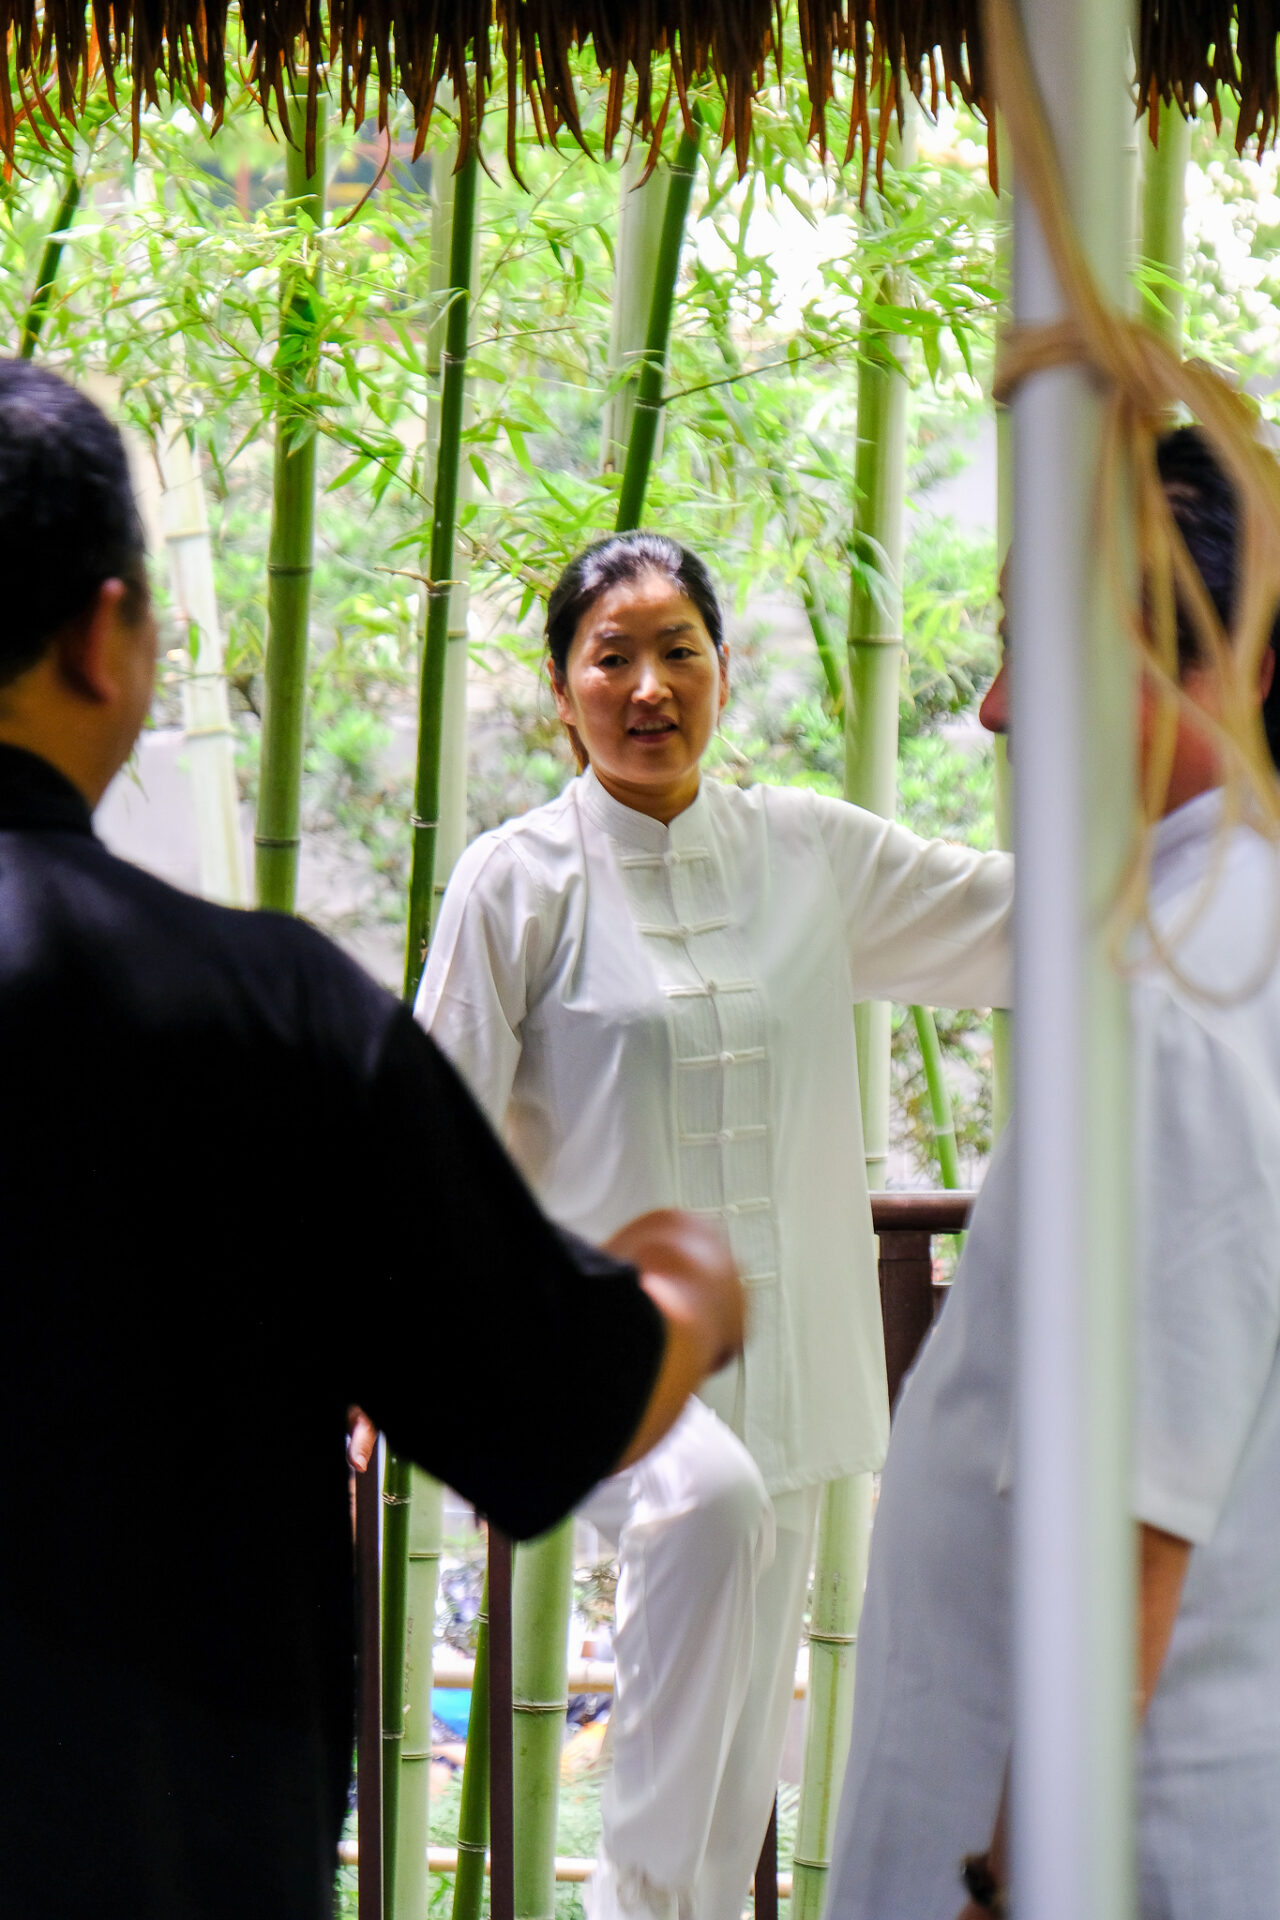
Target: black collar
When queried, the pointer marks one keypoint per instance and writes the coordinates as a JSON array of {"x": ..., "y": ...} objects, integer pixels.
[{"x": 35, "y": 794}]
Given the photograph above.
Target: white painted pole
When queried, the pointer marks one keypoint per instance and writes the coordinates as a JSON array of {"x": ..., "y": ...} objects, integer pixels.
[
  {"x": 206, "y": 713},
  {"x": 1074, "y": 805}
]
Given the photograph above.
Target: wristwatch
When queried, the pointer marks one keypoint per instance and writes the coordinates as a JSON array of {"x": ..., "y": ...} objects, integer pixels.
[{"x": 981, "y": 1885}]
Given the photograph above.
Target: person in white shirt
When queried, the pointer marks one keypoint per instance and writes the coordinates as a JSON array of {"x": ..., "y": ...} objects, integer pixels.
[
  {"x": 932, "y": 1708},
  {"x": 648, "y": 984}
]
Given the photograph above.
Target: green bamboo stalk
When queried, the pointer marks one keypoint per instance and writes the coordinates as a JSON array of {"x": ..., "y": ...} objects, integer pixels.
[
  {"x": 652, "y": 368},
  {"x": 874, "y": 656},
  {"x": 811, "y": 595},
  {"x": 635, "y": 261},
  {"x": 473, "y": 1810},
  {"x": 408, "y": 1589},
  {"x": 396, "y": 1507},
  {"x": 944, "y": 1131},
  {"x": 1164, "y": 204},
  {"x": 451, "y": 833},
  {"x": 50, "y": 260},
  {"x": 435, "y": 645},
  {"x": 539, "y": 1657},
  {"x": 874, "y": 653},
  {"x": 408, "y": 1869},
  {"x": 844, "y": 1528},
  {"x": 289, "y": 557}
]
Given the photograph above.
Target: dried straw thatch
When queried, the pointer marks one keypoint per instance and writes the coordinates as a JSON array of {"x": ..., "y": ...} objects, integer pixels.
[{"x": 650, "y": 50}]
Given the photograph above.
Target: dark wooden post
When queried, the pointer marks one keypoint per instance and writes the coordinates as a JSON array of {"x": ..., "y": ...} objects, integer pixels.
[
  {"x": 766, "y": 1880},
  {"x": 502, "y": 1884},
  {"x": 906, "y": 1224},
  {"x": 369, "y": 1682}
]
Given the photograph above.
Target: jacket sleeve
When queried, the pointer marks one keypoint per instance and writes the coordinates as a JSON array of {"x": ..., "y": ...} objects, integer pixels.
[
  {"x": 473, "y": 996},
  {"x": 925, "y": 921},
  {"x": 468, "y": 1264},
  {"x": 1207, "y": 1296}
]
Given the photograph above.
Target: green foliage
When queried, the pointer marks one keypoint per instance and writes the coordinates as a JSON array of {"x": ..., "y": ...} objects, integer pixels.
[{"x": 169, "y": 284}]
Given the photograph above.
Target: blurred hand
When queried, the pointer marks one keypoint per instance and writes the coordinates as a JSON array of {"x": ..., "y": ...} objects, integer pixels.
[
  {"x": 686, "y": 1268},
  {"x": 362, "y": 1438}
]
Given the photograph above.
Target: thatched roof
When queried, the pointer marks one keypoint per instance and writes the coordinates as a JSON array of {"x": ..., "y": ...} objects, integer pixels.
[{"x": 650, "y": 51}]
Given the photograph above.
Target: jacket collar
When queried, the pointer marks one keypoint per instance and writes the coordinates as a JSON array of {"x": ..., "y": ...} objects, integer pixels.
[
  {"x": 638, "y": 830},
  {"x": 35, "y": 794},
  {"x": 1187, "y": 826}
]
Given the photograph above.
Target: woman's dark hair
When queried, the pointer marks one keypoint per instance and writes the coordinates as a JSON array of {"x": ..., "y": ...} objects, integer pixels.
[
  {"x": 611, "y": 561},
  {"x": 67, "y": 516}
]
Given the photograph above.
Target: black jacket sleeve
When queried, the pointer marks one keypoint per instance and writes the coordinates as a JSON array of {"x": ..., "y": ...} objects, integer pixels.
[{"x": 472, "y": 1362}]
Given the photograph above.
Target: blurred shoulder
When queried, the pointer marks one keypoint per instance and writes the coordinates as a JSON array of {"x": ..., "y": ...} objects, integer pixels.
[
  {"x": 527, "y": 845},
  {"x": 244, "y": 969},
  {"x": 775, "y": 809}
]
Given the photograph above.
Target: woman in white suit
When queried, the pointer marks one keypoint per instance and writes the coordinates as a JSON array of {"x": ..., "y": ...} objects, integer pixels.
[{"x": 649, "y": 985}]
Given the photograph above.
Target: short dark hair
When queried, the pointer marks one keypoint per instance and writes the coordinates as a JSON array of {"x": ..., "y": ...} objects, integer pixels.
[
  {"x": 1206, "y": 507},
  {"x": 1202, "y": 499},
  {"x": 608, "y": 563},
  {"x": 67, "y": 515}
]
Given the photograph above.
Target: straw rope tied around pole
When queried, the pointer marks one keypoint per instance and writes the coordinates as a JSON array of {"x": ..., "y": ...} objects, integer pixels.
[{"x": 1145, "y": 381}]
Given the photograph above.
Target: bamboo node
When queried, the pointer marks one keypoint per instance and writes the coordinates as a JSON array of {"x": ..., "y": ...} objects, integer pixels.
[
  {"x": 832, "y": 1639},
  {"x": 541, "y": 1706}
]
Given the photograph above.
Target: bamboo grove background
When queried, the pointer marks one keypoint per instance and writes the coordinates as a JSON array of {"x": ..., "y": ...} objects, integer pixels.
[{"x": 386, "y": 397}]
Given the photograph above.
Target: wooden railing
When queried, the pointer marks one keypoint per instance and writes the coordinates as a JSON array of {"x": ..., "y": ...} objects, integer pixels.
[{"x": 909, "y": 1302}]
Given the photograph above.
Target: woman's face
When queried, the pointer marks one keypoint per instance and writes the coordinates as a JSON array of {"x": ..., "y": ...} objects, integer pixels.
[{"x": 643, "y": 687}]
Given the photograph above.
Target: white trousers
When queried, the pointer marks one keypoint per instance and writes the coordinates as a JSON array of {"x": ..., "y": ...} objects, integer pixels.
[{"x": 711, "y": 1591}]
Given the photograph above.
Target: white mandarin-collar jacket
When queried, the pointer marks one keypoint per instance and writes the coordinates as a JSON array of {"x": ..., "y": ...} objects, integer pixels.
[{"x": 663, "y": 1016}]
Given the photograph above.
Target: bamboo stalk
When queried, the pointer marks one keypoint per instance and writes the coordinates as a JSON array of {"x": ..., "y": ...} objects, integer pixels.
[
  {"x": 540, "y": 1604},
  {"x": 408, "y": 1591},
  {"x": 50, "y": 260},
  {"x": 208, "y": 741},
  {"x": 829, "y": 653},
  {"x": 944, "y": 1131},
  {"x": 289, "y": 558},
  {"x": 473, "y": 1811},
  {"x": 641, "y": 209},
  {"x": 874, "y": 656},
  {"x": 435, "y": 645},
  {"x": 451, "y": 834},
  {"x": 1164, "y": 205},
  {"x": 844, "y": 1528},
  {"x": 409, "y": 1861},
  {"x": 652, "y": 367},
  {"x": 875, "y": 661}
]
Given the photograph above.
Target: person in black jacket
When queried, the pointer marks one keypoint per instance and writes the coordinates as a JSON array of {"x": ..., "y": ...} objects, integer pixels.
[{"x": 222, "y": 1214}]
